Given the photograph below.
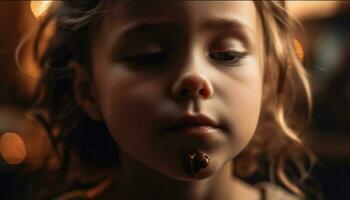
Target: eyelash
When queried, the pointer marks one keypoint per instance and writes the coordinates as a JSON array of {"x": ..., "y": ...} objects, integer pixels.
[
  {"x": 236, "y": 57},
  {"x": 147, "y": 59},
  {"x": 158, "y": 58}
]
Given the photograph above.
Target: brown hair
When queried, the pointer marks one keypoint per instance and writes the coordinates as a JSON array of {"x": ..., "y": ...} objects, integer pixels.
[
  {"x": 276, "y": 145},
  {"x": 286, "y": 107}
]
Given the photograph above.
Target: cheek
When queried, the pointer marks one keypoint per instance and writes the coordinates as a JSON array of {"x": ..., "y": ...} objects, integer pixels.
[
  {"x": 243, "y": 100},
  {"x": 124, "y": 100},
  {"x": 245, "y": 109},
  {"x": 127, "y": 123}
]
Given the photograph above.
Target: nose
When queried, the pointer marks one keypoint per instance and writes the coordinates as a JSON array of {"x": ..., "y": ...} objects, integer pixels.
[{"x": 192, "y": 85}]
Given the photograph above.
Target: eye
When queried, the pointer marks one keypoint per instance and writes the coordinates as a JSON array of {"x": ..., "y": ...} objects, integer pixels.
[
  {"x": 149, "y": 55},
  {"x": 228, "y": 57},
  {"x": 227, "y": 50},
  {"x": 147, "y": 59}
]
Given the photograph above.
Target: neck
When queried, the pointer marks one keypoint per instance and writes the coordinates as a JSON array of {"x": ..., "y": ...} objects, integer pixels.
[{"x": 136, "y": 181}]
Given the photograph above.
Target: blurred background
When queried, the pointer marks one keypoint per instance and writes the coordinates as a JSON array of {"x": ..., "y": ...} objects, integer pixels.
[{"x": 326, "y": 44}]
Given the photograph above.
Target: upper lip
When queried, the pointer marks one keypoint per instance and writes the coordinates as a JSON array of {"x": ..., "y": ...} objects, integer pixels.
[{"x": 193, "y": 120}]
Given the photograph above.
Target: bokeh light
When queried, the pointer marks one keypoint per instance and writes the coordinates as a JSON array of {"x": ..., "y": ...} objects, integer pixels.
[
  {"x": 39, "y": 8},
  {"x": 12, "y": 148},
  {"x": 305, "y": 9}
]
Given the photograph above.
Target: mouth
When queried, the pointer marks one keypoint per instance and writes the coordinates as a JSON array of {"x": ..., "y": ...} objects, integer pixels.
[{"x": 193, "y": 125}]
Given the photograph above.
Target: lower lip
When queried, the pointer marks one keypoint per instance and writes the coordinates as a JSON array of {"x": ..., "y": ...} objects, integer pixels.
[{"x": 194, "y": 130}]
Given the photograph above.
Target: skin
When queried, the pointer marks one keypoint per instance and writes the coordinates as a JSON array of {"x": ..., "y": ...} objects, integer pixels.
[{"x": 138, "y": 99}]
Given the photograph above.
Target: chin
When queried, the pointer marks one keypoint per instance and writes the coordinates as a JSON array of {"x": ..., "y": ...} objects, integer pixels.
[{"x": 181, "y": 175}]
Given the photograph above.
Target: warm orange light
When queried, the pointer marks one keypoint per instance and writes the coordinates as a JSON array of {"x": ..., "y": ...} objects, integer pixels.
[
  {"x": 299, "y": 49},
  {"x": 314, "y": 9},
  {"x": 39, "y": 8},
  {"x": 12, "y": 148}
]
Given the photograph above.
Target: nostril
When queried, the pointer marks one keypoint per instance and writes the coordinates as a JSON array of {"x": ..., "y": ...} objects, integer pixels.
[
  {"x": 203, "y": 92},
  {"x": 184, "y": 93}
]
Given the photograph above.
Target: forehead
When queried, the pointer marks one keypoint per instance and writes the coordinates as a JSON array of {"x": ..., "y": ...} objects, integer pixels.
[
  {"x": 181, "y": 10},
  {"x": 189, "y": 15}
]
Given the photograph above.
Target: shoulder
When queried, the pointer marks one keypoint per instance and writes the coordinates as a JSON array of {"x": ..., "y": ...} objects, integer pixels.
[{"x": 274, "y": 192}]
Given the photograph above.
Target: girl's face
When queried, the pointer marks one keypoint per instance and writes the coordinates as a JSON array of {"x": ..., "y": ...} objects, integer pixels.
[{"x": 154, "y": 63}]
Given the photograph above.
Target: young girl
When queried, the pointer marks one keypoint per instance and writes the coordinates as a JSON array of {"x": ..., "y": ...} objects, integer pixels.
[{"x": 172, "y": 100}]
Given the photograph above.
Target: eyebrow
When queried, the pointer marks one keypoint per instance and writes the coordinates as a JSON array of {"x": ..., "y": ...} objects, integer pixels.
[
  {"x": 210, "y": 24},
  {"x": 226, "y": 23},
  {"x": 234, "y": 26},
  {"x": 141, "y": 26}
]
